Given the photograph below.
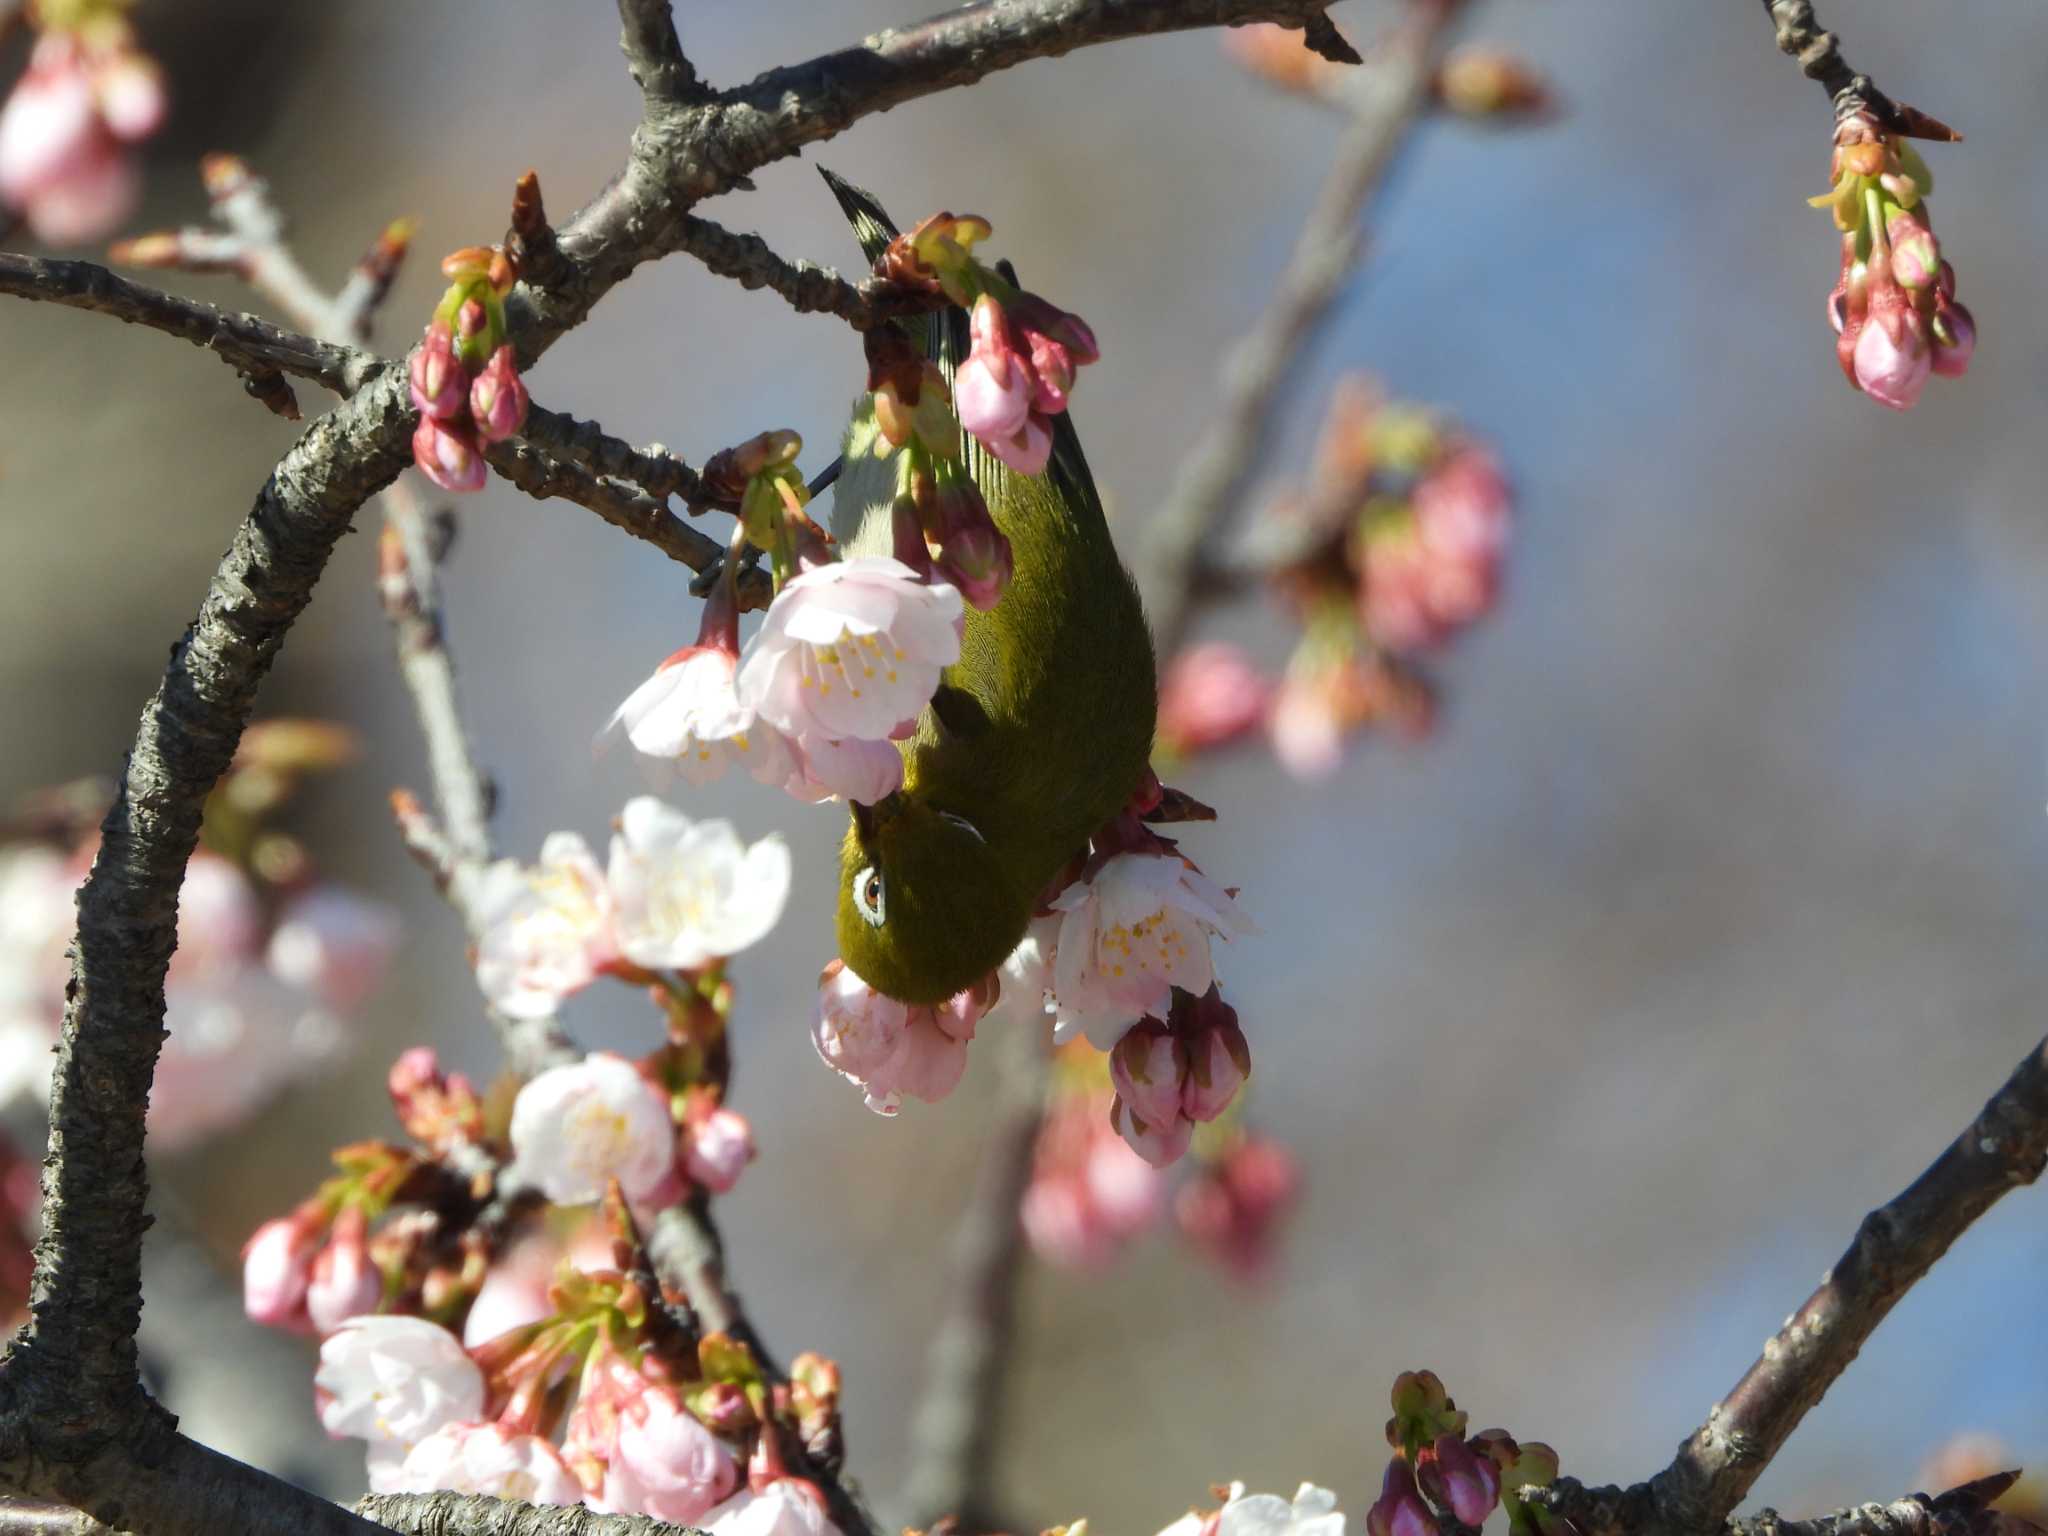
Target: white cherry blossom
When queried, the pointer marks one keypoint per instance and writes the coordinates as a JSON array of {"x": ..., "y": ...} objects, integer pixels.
[
  {"x": 686, "y": 893},
  {"x": 689, "y": 714},
  {"x": 545, "y": 930},
  {"x": 395, "y": 1379},
  {"x": 575, "y": 1126}
]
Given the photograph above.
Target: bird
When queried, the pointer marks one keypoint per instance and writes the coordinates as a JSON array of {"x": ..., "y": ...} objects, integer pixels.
[{"x": 1039, "y": 734}]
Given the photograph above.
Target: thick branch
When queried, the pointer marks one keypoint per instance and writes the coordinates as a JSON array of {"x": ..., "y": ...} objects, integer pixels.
[
  {"x": 654, "y": 55},
  {"x": 457, "y": 1514},
  {"x": 243, "y": 341},
  {"x": 1213, "y": 482},
  {"x": 2005, "y": 1147}
]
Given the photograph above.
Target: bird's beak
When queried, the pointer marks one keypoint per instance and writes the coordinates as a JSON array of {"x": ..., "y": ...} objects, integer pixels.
[{"x": 869, "y": 819}]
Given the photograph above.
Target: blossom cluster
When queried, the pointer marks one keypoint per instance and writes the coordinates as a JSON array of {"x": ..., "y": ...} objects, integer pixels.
[
  {"x": 676, "y": 895},
  {"x": 1438, "y": 1477},
  {"x": 1391, "y": 550},
  {"x": 392, "y": 1230},
  {"x": 465, "y": 382},
  {"x": 67, "y": 131},
  {"x": 1120, "y": 953},
  {"x": 1090, "y": 1194},
  {"x": 272, "y": 961},
  {"x": 1893, "y": 308}
]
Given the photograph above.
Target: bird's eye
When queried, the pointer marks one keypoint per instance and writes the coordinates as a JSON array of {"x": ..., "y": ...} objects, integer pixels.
[{"x": 868, "y": 896}]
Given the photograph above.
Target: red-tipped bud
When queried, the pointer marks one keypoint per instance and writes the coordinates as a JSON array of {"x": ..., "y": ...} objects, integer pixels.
[
  {"x": 344, "y": 1282},
  {"x": 440, "y": 387},
  {"x": 448, "y": 454},
  {"x": 1399, "y": 1510},
  {"x": 1147, "y": 1066},
  {"x": 498, "y": 399},
  {"x": 1955, "y": 338},
  {"x": 1218, "y": 1059},
  {"x": 1467, "y": 1482}
]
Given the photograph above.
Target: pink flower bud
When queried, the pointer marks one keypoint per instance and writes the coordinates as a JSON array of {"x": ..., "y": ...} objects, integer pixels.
[
  {"x": 498, "y": 399},
  {"x": 1210, "y": 695},
  {"x": 1219, "y": 1061},
  {"x": 49, "y": 128},
  {"x": 1028, "y": 450},
  {"x": 1161, "y": 1143},
  {"x": 277, "y": 1263},
  {"x": 344, "y": 1282},
  {"x": 1469, "y": 1483},
  {"x": 1233, "y": 1211},
  {"x": 1400, "y": 1510},
  {"x": 90, "y": 200},
  {"x": 1916, "y": 259},
  {"x": 440, "y": 388},
  {"x": 447, "y": 453},
  {"x": 992, "y": 388},
  {"x": 1147, "y": 1066},
  {"x": 130, "y": 88},
  {"x": 717, "y": 1147},
  {"x": 1892, "y": 357},
  {"x": 970, "y": 549},
  {"x": 1057, "y": 343},
  {"x": 1955, "y": 338}
]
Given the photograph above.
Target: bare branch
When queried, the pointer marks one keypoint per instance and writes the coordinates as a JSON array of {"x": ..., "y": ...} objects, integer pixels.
[
  {"x": 1820, "y": 58},
  {"x": 475, "y": 1514},
  {"x": 2005, "y": 1147},
  {"x": 245, "y": 342},
  {"x": 810, "y": 289},
  {"x": 953, "y": 1436},
  {"x": 1392, "y": 90},
  {"x": 653, "y": 469},
  {"x": 654, "y": 55}
]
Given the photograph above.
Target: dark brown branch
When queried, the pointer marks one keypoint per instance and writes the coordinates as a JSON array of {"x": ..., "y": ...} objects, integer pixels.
[
  {"x": 1819, "y": 54},
  {"x": 654, "y": 55},
  {"x": 1964, "y": 1511},
  {"x": 1212, "y": 485},
  {"x": 809, "y": 289},
  {"x": 245, "y": 342},
  {"x": 459, "y": 1514},
  {"x": 2005, "y": 1147},
  {"x": 652, "y": 469},
  {"x": 75, "y": 1423}
]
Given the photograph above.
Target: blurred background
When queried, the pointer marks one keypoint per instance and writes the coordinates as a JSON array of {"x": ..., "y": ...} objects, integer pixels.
[{"x": 1712, "y": 910}]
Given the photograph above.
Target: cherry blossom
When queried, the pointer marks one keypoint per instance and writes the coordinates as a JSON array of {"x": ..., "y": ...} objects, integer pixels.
[
  {"x": 1135, "y": 931},
  {"x": 395, "y": 1379},
  {"x": 64, "y": 132},
  {"x": 851, "y": 650},
  {"x": 689, "y": 714},
  {"x": 344, "y": 1282},
  {"x": 662, "y": 1462},
  {"x": 479, "y": 1458},
  {"x": 861, "y": 771},
  {"x": 685, "y": 893},
  {"x": 785, "y": 1507},
  {"x": 717, "y": 1146},
  {"x": 887, "y": 1048},
  {"x": 277, "y": 1265},
  {"x": 575, "y": 1126},
  {"x": 545, "y": 931}
]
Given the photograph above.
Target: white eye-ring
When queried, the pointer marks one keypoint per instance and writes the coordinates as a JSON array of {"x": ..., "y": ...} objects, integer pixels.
[
  {"x": 869, "y": 897},
  {"x": 964, "y": 825}
]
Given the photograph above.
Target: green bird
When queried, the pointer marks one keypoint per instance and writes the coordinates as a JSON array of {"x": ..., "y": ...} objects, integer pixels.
[{"x": 1039, "y": 734}]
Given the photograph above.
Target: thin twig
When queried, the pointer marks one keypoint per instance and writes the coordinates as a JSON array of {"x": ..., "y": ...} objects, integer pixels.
[
  {"x": 1391, "y": 93},
  {"x": 1819, "y": 54},
  {"x": 2005, "y": 1147},
  {"x": 808, "y": 288},
  {"x": 245, "y": 342},
  {"x": 652, "y": 469}
]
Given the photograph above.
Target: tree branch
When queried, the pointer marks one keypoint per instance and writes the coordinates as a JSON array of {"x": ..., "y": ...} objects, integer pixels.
[
  {"x": 243, "y": 341},
  {"x": 809, "y": 289},
  {"x": 1819, "y": 55},
  {"x": 654, "y": 55},
  {"x": 1392, "y": 91},
  {"x": 457, "y": 1514},
  {"x": 653, "y": 469},
  {"x": 2005, "y": 1147},
  {"x": 953, "y": 1436}
]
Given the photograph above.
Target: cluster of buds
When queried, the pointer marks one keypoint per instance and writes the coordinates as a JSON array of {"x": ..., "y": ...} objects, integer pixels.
[
  {"x": 603, "y": 1394},
  {"x": 1234, "y": 1205},
  {"x": 1893, "y": 308},
  {"x": 1441, "y": 1476},
  {"x": 272, "y": 960},
  {"x": 90, "y": 93},
  {"x": 1023, "y": 351},
  {"x": 1392, "y": 549},
  {"x": 942, "y": 523},
  {"x": 465, "y": 382},
  {"x": 1174, "y": 1074}
]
